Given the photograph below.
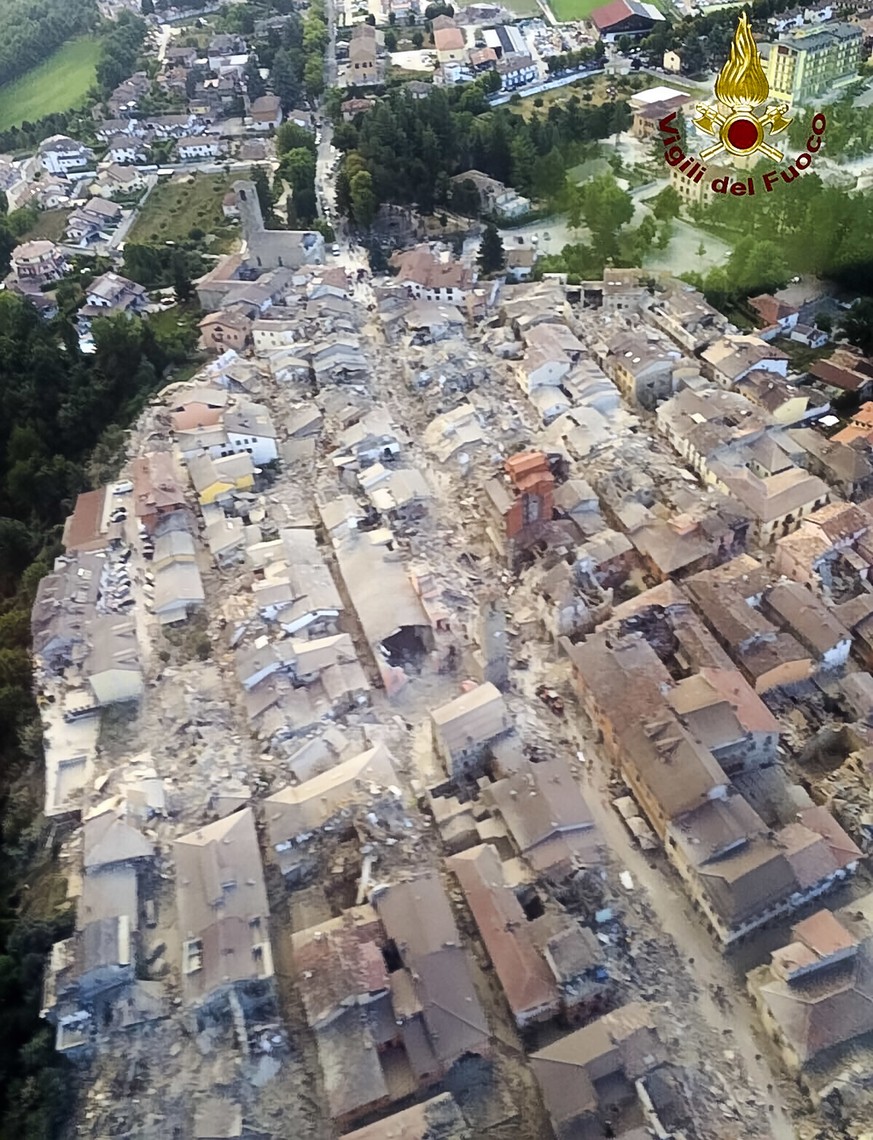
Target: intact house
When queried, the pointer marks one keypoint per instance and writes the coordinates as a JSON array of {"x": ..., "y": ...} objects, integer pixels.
[
  {"x": 815, "y": 996},
  {"x": 117, "y": 180},
  {"x": 59, "y": 154},
  {"x": 126, "y": 150},
  {"x": 110, "y": 294},
  {"x": 228, "y": 328},
  {"x": 195, "y": 147},
  {"x": 494, "y": 196},
  {"x": 624, "y": 18},
  {"x": 432, "y": 277},
  {"x": 92, "y": 222},
  {"x": 250, "y": 428},
  {"x": 641, "y": 366},
  {"x": 35, "y": 263},
  {"x": 731, "y": 358},
  {"x": 516, "y": 71},
  {"x": 266, "y": 112}
]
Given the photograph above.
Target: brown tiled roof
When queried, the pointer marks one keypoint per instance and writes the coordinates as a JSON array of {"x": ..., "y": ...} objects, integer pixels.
[
  {"x": 82, "y": 530},
  {"x": 524, "y": 975}
]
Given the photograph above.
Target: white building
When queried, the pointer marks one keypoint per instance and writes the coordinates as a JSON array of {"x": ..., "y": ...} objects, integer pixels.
[
  {"x": 124, "y": 149},
  {"x": 58, "y": 154},
  {"x": 194, "y": 148},
  {"x": 250, "y": 428}
]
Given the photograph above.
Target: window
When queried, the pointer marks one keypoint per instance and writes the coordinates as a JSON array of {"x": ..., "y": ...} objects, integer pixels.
[{"x": 530, "y": 509}]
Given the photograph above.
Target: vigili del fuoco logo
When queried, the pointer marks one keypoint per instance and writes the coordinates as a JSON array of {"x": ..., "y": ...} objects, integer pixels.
[{"x": 741, "y": 123}]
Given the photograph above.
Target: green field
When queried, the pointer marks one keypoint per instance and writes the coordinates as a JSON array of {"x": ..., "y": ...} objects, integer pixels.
[
  {"x": 567, "y": 10},
  {"x": 522, "y": 7},
  {"x": 57, "y": 84},
  {"x": 184, "y": 203}
]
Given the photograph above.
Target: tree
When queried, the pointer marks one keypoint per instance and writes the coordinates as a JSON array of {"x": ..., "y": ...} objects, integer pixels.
[
  {"x": 417, "y": 40},
  {"x": 313, "y": 76},
  {"x": 491, "y": 256},
  {"x": 624, "y": 44},
  {"x": 265, "y": 198},
  {"x": 599, "y": 50},
  {"x": 255, "y": 86},
  {"x": 292, "y": 137},
  {"x": 285, "y": 80},
  {"x": 604, "y": 207},
  {"x": 363, "y": 200},
  {"x": 147, "y": 7},
  {"x": 824, "y": 321},
  {"x": 371, "y": 20},
  {"x": 182, "y": 285},
  {"x": 857, "y": 325},
  {"x": 390, "y": 40},
  {"x": 392, "y": 18},
  {"x": 667, "y": 204}
]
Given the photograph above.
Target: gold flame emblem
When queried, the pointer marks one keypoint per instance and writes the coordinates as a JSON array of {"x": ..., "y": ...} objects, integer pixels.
[{"x": 742, "y": 86}]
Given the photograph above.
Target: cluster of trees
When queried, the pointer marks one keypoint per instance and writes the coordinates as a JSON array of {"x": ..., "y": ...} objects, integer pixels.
[
  {"x": 32, "y": 31},
  {"x": 704, "y": 41},
  {"x": 849, "y": 131},
  {"x": 119, "y": 50},
  {"x": 297, "y": 165},
  {"x": 805, "y": 227},
  {"x": 293, "y": 55},
  {"x": 604, "y": 209},
  {"x": 573, "y": 59},
  {"x": 157, "y": 266},
  {"x": 55, "y": 407},
  {"x": 409, "y": 149}
]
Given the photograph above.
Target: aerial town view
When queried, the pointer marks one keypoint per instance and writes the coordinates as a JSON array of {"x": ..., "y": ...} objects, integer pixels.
[{"x": 436, "y": 562}]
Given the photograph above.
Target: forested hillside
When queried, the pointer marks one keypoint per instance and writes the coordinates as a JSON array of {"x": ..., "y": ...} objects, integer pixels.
[
  {"x": 30, "y": 31},
  {"x": 61, "y": 414}
]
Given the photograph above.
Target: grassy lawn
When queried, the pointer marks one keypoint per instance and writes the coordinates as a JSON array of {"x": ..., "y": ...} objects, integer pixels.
[
  {"x": 567, "y": 10},
  {"x": 49, "y": 226},
  {"x": 57, "y": 84},
  {"x": 168, "y": 321},
  {"x": 523, "y": 7},
  {"x": 596, "y": 86},
  {"x": 184, "y": 203}
]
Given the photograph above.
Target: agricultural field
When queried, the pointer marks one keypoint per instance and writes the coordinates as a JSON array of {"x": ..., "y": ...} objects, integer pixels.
[
  {"x": 185, "y": 203},
  {"x": 57, "y": 84}
]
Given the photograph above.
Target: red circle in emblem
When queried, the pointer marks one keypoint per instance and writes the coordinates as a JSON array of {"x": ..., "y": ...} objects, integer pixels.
[{"x": 743, "y": 133}]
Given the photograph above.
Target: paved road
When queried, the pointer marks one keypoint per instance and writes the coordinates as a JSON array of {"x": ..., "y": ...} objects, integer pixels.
[{"x": 164, "y": 41}]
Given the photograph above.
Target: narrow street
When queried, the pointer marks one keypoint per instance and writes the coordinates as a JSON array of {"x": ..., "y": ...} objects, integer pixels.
[{"x": 698, "y": 947}]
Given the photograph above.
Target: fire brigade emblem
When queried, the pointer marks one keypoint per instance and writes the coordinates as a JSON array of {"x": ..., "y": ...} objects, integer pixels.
[{"x": 740, "y": 89}]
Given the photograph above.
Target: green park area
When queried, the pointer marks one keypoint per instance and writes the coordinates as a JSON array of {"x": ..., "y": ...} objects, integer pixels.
[
  {"x": 57, "y": 84},
  {"x": 567, "y": 10},
  {"x": 523, "y": 7},
  {"x": 176, "y": 210}
]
